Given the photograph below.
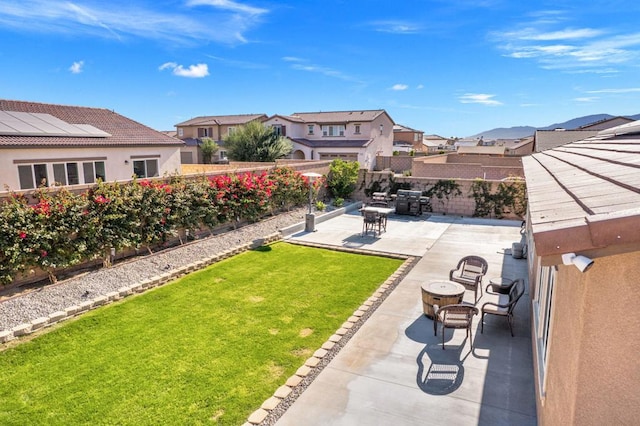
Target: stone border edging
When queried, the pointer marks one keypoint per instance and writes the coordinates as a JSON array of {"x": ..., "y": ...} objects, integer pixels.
[{"x": 26, "y": 329}]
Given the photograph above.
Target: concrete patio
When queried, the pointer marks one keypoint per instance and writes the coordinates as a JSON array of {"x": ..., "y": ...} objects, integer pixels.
[{"x": 393, "y": 371}]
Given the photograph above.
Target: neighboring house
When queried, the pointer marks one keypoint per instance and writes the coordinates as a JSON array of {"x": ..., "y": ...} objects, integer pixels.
[
  {"x": 584, "y": 198},
  {"x": 348, "y": 135},
  {"x": 434, "y": 144},
  {"x": 547, "y": 139},
  {"x": 216, "y": 127},
  {"x": 405, "y": 136},
  {"x": 71, "y": 145},
  {"x": 500, "y": 147}
]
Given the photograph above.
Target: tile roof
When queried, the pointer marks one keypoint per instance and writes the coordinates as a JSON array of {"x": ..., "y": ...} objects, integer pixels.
[
  {"x": 123, "y": 131},
  {"x": 214, "y": 120},
  {"x": 401, "y": 128},
  {"x": 585, "y": 195},
  {"x": 333, "y": 143},
  {"x": 331, "y": 117}
]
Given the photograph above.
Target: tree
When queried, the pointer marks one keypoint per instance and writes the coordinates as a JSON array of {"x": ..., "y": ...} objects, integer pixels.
[
  {"x": 256, "y": 142},
  {"x": 208, "y": 147},
  {"x": 343, "y": 176}
]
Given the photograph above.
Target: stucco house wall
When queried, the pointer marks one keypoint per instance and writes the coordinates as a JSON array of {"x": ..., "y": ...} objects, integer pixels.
[
  {"x": 118, "y": 161},
  {"x": 593, "y": 334}
]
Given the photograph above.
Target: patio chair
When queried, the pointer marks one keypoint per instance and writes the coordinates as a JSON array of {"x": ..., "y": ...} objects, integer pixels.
[
  {"x": 372, "y": 222},
  {"x": 469, "y": 273},
  {"x": 505, "y": 304},
  {"x": 459, "y": 315}
]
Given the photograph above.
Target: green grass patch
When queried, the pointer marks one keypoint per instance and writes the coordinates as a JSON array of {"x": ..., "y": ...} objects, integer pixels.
[{"x": 206, "y": 349}]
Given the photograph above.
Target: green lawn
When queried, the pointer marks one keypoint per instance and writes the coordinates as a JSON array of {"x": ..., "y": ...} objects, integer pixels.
[{"x": 206, "y": 349}]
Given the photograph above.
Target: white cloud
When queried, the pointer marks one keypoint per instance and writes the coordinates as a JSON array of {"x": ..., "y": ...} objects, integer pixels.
[
  {"x": 399, "y": 87},
  {"x": 396, "y": 27},
  {"x": 228, "y": 5},
  {"x": 586, "y": 99},
  {"x": 627, "y": 90},
  {"x": 302, "y": 64},
  {"x": 76, "y": 67},
  {"x": 120, "y": 19},
  {"x": 568, "y": 48},
  {"x": 420, "y": 86},
  {"x": 479, "y": 98},
  {"x": 194, "y": 71}
]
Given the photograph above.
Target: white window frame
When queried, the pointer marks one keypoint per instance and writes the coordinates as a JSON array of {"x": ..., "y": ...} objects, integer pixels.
[
  {"x": 146, "y": 162},
  {"x": 88, "y": 171},
  {"x": 356, "y": 129},
  {"x": 34, "y": 181},
  {"x": 222, "y": 154},
  {"x": 310, "y": 129},
  {"x": 180, "y": 132},
  {"x": 543, "y": 320},
  {"x": 231, "y": 130},
  {"x": 333, "y": 130},
  {"x": 66, "y": 168},
  {"x": 205, "y": 132}
]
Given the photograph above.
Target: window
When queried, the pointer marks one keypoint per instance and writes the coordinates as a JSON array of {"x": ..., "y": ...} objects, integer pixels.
[
  {"x": 203, "y": 132},
  {"x": 542, "y": 305},
  {"x": 333, "y": 130},
  {"x": 231, "y": 130},
  {"x": 416, "y": 137},
  {"x": 32, "y": 176},
  {"x": 223, "y": 154},
  {"x": 278, "y": 129},
  {"x": 180, "y": 132},
  {"x": 145, "y": 168},
  {"x": 93, "y": 170},
  {"x": 66, "y": 174},
  {"x": 357, "y": 129},
  {"x": 310, "y": 128}
]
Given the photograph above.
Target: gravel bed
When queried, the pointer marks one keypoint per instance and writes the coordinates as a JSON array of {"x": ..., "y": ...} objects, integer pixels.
[{"x": 46, "y": 300}]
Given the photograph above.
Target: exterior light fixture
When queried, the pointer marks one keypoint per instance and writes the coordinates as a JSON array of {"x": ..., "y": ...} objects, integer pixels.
[
  {"x": 310, "y": 222},
  {"x": 583, "y": 263}
]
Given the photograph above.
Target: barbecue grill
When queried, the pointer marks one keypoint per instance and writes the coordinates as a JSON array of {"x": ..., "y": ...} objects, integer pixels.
[{"x": 411, "y": 202}]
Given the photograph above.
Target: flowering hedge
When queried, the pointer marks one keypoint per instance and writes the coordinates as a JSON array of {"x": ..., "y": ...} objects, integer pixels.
[{"x": 62, "y": 229}]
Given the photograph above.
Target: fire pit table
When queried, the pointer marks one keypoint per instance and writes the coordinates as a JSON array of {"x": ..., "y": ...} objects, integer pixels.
[{"x": 441, "y": 293}]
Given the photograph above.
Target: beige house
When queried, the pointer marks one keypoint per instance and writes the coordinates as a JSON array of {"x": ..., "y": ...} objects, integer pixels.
[
  {"x": 349, "y": 135},
  {"x": 584, "y": 261},
  {"x": 406, "y": 136},
  {"x": 71, "y": 145},
  {"x": 547, "y": 139},
  {"x": 216, "y": 127}
]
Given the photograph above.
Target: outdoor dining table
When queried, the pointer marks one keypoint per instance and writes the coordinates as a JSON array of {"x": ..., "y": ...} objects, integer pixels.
[{"x": 382, "y": 211}]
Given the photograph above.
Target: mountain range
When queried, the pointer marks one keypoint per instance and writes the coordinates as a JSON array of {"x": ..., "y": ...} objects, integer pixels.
[{"x": 524, "y": 131}]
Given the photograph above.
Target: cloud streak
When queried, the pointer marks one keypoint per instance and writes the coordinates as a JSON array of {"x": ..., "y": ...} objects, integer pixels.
[
  {"x": 301, "y": 64},
  {"x": 569, "y": 48},
  {"x": 122, "y": 20},
  {"x": 479, "y": 98},
  {"x": 396, "y": 27}
]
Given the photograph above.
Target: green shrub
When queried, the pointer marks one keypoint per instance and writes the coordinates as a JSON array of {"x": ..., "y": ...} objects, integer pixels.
[{"x": 343, "y": 176}]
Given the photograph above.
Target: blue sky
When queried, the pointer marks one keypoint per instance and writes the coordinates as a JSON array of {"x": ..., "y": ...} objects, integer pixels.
[{"x": 447, "y": 67}]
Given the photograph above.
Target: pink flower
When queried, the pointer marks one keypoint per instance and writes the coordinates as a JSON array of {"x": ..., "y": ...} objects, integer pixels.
[
  {"x": 22, "y": 235},
  {"x": 43, "y": 253}
]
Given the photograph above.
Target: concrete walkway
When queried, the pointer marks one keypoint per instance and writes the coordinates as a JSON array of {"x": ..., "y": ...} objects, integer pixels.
[{"x": 393, "y": 371}]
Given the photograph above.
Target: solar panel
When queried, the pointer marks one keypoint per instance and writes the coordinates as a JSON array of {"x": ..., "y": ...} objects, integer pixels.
[{"x": 15, "y": 123}]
